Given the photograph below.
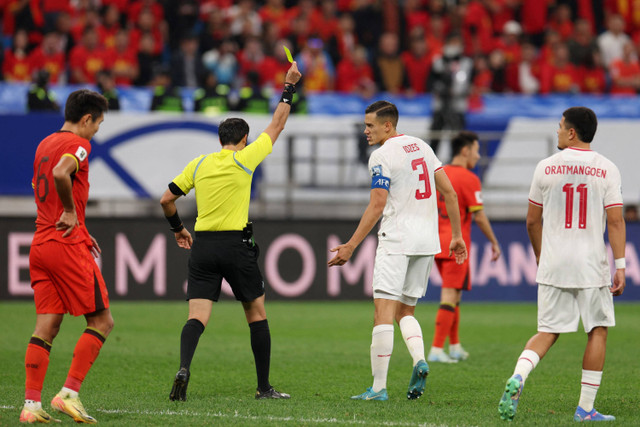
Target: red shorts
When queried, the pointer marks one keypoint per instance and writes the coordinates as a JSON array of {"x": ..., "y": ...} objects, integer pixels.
[
  {"x": 66, "y": 279},
  {"x": 455, "y": 276}
]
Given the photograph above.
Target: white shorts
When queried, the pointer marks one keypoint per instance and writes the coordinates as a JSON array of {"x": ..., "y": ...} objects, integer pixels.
[
  {"x": 401, "y": 277},
  {"x": 560, "y": 309}
]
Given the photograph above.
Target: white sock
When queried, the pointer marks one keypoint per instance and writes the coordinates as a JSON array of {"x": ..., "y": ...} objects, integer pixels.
[
  {"x": 527, "y": 361},
  {"x": 590, "y": 385},
  {"x": 381, "y": 349},
  {"x": 412, "y": 335},
  {"x": 70, "y": 393},
  {"x": 455, "y": 347},
  {"x": 32, "y": 405}
]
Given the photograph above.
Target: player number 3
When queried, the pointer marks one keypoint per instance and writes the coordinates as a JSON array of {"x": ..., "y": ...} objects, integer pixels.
[{"x": 424, "y": 177}]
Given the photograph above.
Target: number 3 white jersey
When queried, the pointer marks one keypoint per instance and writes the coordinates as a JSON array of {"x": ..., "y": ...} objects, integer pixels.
[
  {"x": 405, "y": 166},
  {"x": 574, "y": 188}
]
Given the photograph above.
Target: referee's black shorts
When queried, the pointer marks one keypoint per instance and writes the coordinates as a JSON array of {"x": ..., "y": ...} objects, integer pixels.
[{"x": 222, "y": 254}]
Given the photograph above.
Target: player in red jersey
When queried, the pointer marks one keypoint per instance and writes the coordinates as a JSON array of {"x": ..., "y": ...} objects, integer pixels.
[
  {"x": 455, "y": 277},
  {"x": 64, "y": 276}
]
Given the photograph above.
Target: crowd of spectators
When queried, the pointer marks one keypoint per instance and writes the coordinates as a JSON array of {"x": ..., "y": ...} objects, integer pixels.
[{"x": 227, "y": 47}]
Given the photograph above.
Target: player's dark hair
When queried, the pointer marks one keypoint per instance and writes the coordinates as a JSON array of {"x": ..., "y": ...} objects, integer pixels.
[
  {"x": 463, "y": 139},
  {"x": 231, "y": 131},
  {"x": 583, "y": 120},
  {"x": 384, "y": 110},
  {"x": 82, "y": 102}
]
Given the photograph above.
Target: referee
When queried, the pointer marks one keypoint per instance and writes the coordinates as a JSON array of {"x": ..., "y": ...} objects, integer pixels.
[{"x": 224, "y": 245}]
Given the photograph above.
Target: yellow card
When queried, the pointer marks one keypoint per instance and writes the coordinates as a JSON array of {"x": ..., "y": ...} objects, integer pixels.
[{"x": 288, "y": 53}]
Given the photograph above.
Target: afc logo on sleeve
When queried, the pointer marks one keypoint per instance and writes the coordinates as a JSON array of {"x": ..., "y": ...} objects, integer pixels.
[
  {"x": 478, "y": 195},
  {"x": 376, "y": 170},
  {"x": 81, "y": 154}
]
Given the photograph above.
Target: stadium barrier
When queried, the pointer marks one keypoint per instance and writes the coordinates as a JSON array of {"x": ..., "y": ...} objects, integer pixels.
[
  {"x": 140, "y": 261},
  {"x": 317, "y": 168}
]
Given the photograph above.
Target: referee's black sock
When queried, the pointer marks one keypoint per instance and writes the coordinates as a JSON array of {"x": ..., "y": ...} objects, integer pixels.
[
  {"x": 261, "y": 346},
  {"x": 189, "y": 341}
]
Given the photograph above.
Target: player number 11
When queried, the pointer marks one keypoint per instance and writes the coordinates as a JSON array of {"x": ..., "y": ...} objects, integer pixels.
[{"x": 581, "y": 189}]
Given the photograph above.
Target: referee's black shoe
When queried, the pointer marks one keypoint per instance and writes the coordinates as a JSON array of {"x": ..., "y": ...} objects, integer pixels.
[
  {"x": 179, "y": 389},
  {"x": 271, "y": 394}
]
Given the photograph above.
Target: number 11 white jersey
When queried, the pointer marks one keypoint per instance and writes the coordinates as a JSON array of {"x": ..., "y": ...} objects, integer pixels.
[
  {"x": 574, "y": 188},
  {"x": 410, "y": 218}
]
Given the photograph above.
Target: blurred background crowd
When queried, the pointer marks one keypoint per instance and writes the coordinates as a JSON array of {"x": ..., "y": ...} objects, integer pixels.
[{"x": 231, "y": 51}]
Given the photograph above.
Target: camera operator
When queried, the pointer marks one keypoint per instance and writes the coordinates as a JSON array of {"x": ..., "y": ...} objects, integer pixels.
[{"x": 449, "y": 84}]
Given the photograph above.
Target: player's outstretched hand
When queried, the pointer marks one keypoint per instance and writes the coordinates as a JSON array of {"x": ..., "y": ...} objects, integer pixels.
[
  {"x": 67, "y": 221},
  {"x": 293, "y": 74},
  {"x": 95, "y": 248},
  {"x": 344, "y": 254},
  {"x": 184, "y": 239},
  {"x": 458, "y": 249},
  {"x": 619, "y": 282}
]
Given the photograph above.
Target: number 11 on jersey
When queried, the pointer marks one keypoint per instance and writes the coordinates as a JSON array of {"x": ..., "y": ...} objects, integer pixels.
[{"x": 581, "y": 189}]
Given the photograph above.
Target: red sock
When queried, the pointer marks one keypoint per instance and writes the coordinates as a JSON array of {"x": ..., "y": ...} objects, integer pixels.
[
  {"x": 444, "y": 319},
  {"x": 85, "y": 353},
  {"x": 36, "y": 362},
  {"x": 453, "y": 336}
]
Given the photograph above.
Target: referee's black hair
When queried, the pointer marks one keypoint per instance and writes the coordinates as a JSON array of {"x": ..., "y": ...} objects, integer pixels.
[
  {"x": 583, "y": 120},
  {"x": 463, "y": 139},
  {"x": 82, "y": 102},
  {"x": 231, "y": 131},
  {"x": 385, "y": 111}
]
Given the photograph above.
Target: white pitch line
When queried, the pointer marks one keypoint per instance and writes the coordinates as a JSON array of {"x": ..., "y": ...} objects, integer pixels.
[{"x": 254, "y": 417}]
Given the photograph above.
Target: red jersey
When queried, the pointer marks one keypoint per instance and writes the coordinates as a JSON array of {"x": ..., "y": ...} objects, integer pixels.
[
  {"x": 53, "y": 63},
  {"x": 468, "y": 188},
  {"x": 48, "y": 154}
]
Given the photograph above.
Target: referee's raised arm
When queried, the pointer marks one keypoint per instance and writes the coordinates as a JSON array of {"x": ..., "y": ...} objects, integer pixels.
[{"x": 284, "y": 106}]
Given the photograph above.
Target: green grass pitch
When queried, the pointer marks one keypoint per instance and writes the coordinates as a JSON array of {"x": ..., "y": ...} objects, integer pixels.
[{"x": 320, "y": 355}]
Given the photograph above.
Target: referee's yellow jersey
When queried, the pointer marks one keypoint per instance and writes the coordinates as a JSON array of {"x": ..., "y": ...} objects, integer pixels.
[{"x": 223, "y": 185}]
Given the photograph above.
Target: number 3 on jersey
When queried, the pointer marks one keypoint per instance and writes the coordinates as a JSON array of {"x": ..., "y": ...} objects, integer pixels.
[
  {"x": 423, "y": 176},
  {"x": 581, "y": 189}
]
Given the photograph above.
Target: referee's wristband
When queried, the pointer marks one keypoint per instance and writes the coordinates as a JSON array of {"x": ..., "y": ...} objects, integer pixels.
[
  {"x": 620, "y": 263},
  {"x": 175, "y": 222},
  {"x": 287, "y": 93}
]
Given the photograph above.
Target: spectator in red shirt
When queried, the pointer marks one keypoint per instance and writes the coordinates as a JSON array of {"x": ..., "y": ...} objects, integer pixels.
[
  {"x": 327, "y": 23},
  {"x": 216, "y": 30},
  {"x": 436, "y": 35},
  {"x": 50, "y": 57},
  {"x": 534, "y": 19},
  {"x": 137, "y": 7},
  {"x": 87, "y": 58},
  {"x": 561, "y": 76},
  {"x": 147, "y": 23},
  {"x": 123, "y": 60},
  {"x": 345, "y": 39},
  {"x": 561, "y": 21},
  {"x": 481, "y": 83},
  {"x": 477, "y": 29},
  {"x": 625, "y": 72},
  {"x": 253, "y": 58},
  {"x": 417, "y": 61},
  {"x": 275, "y": 12},
  {"x": 16, "y": 66},
  {"x": 354, "y": 74},
  {"x": 415, "y": 15},
  {"x": 594, "y": 75},
  {"x": 111, "y": 25}
]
